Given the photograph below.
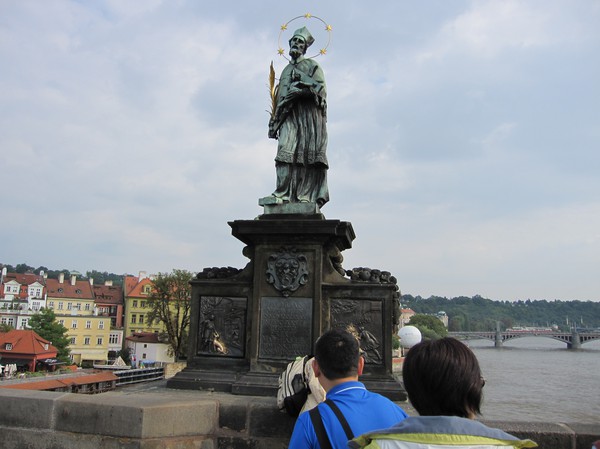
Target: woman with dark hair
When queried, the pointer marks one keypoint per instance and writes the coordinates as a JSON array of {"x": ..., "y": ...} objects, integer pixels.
[{"x": 444, "y": 384}]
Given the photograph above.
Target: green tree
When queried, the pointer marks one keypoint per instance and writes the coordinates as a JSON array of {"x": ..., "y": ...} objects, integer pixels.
[
  {"x": 431, "y": 327},
  {"x": 45, "y": 325},
  {"x": 5, "y": 327},
  {"x": 170, "y": 304}
]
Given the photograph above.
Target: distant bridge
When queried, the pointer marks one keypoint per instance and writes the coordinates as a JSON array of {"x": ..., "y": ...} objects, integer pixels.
[{"x": 574, "y": 340}]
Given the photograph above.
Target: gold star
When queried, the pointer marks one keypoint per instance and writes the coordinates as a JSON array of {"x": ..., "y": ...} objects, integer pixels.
[
  {"x": 328, "y": 28},
  {"x": 323, "y": 51},
  {"x": 284, "y": 27},
  {"x": 308, "y": 15},
  {"x": 281, "y": 51}
]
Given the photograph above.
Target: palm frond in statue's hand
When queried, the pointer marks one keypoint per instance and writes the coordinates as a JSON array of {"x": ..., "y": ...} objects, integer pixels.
[{"x": 273, "y": 89}]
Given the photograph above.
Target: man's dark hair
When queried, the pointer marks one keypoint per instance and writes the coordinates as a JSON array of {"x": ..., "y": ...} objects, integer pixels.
[
  {"x": 442, "y": 377},
  {"x": 337, "y": 353}
]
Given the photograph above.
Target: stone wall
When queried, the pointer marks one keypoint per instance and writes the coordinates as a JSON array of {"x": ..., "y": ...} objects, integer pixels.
[{"x": 161, "y": 418}]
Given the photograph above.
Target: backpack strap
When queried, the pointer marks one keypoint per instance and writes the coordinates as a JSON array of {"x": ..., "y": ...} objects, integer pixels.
[
  {"x": 341, "y": 418},
  {"x": 317, "y": 422}
]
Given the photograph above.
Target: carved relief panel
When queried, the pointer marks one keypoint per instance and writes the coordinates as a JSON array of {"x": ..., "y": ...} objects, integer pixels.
[
  {"x": 364, "y": 319},
  {"x": 222, "y": 326}
]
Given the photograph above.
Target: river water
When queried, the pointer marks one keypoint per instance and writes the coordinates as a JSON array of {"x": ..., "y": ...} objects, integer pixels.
[{"x": 539, "y": 379}]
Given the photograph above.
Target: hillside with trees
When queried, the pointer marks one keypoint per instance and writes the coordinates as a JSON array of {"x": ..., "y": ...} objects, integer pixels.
[{"x": 481, "y": 314}]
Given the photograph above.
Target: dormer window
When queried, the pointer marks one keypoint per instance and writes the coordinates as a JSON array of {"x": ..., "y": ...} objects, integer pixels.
[
  {"x": 45, "y": 346},
  {"x": 8, "y": 346},
  {"x": 78, "y": 291}
]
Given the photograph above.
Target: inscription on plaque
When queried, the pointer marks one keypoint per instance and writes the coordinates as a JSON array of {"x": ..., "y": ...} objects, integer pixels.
[
  {"x": 364, "y": 319},
  {"x": 285, "y": 327}
]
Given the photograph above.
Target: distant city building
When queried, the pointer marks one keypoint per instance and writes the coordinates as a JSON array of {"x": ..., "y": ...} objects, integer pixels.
[
  {"x": 405, "y": 316},
  {"x": 27, "y": 350},
  {"x": 74, "y": 306},
  {"x": 137, "y": 291},
  {"x": 146, "y": 347},
  {"x": 110, "y": 303},
  {"x": 21, "y": 296}
]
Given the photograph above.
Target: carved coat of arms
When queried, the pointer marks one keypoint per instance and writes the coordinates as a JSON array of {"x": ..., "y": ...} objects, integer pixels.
[{"x": 287, "y": 271}]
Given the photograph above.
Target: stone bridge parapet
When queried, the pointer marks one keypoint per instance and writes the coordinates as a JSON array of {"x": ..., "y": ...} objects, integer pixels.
[{"x": 167, "y": 419}]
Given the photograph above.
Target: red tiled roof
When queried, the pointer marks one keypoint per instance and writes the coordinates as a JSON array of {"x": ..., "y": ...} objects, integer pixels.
[
  {"x": 144, "y": 337},
  {"x": 24, "y": 278},
  {"x": 65, "y": 290},
  {"x": 25, "y": 342},
  {"x": 130, "y": 282},
  {"x": 136, "y": 290},
  {"x": 108, "y": 294},
  {"x": 63, "y": 382}
]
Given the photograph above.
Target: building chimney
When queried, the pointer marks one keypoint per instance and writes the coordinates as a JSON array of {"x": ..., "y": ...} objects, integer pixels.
[
  {"x": 142, "y": 275},
  {"x": 92, "y": 282},
  {"x": 61, "y": 278},
  {"x": 73, "y": 279},
  {"x": 108, "y": 283}
]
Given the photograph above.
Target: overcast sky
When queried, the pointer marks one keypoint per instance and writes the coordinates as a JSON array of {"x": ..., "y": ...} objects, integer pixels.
[{"x": 464, "y": 136}]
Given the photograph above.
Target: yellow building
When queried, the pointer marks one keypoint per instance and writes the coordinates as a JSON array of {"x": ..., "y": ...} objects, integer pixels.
[
  {"x": 137, "y": 292},
  {"x": 74, "y": 307}
]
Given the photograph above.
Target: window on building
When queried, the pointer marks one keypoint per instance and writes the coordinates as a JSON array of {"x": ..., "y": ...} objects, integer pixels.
[
  {"x": 61, "y": 322},
  {"x": 141, "y": 319},
  {"x": 74, "y": 324},
  {"x": 51, "y": 304},
  {"x": 144, "y": 356},
  {"x": 86, "y": 340},
  {"x": 134, "y": 303},
  {"x": 69, "y": 306},
  {"x": 133, "y": 318},
  {"x": 8, "y": 346},
  {"x": 146, "y": 289},
  {"x": 24, "y": 323},
  {"x": 143, "y": 303},
  {"x": 101, "y": 324},
  {"x": 3, "y": 320},
  {"x": 88, "y": 324},
  {"x": 72, "y": 341},
  {"x": 87, "y": 306},
  {"x": 113, "y": 339},
  {"x": 100, "y": 341},
  {"x": 78, "y": 306},
  {"x": 11, "y": 322},
  {"x": 60, "y": 305}
]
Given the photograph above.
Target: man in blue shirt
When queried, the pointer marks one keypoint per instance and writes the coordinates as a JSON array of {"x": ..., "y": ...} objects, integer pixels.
[{"x": 337, "y": 365}]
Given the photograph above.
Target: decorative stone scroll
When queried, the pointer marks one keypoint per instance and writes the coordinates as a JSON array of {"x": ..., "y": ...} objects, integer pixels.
[
  {"x": 287, "y": 270},
  {"x": 285, "y": 327},
  {"x": 362, "y": 318},
  {"x": 222, "y": 326}
]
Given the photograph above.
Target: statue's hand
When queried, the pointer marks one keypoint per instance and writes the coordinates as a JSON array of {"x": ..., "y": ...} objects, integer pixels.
[{"x": 272, "y": 131}]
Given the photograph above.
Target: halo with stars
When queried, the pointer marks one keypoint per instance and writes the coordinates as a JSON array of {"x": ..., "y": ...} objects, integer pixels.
[{"x": 306, "y": 16}]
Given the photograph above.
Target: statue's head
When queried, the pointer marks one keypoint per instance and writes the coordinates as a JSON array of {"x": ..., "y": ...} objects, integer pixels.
[{"x": 300, "y": 41}]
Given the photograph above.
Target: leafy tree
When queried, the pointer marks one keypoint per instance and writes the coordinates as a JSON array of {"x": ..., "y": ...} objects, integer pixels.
[
  {"x": 170, "y": 304},
  {"x": 431, "y": 327},
  {"x": 45, "y": 325},
  {"x": 5, "y": 327}
]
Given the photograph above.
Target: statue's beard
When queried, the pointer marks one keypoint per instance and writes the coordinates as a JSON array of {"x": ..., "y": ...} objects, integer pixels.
[{"x": 295, "y": 53}]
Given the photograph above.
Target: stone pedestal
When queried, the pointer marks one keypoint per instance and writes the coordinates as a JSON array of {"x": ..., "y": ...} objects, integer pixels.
[{"x": 247, "y": 325}]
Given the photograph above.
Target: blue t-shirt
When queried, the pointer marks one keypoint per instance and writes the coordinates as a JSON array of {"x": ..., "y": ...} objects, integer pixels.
[{"x": 365, "y": 411}]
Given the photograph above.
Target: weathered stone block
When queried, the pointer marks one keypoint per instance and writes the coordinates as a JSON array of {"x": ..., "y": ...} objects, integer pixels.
[
  {"x": 145, "y": 416},
  {"x": 16, "y": 408}
]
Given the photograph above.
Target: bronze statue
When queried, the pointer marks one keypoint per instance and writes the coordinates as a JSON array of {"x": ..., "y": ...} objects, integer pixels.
[{"x": 299, "y": 123}]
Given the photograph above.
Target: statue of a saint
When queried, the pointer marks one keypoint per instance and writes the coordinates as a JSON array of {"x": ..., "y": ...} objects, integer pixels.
[{"x": 299, "y": 122}]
